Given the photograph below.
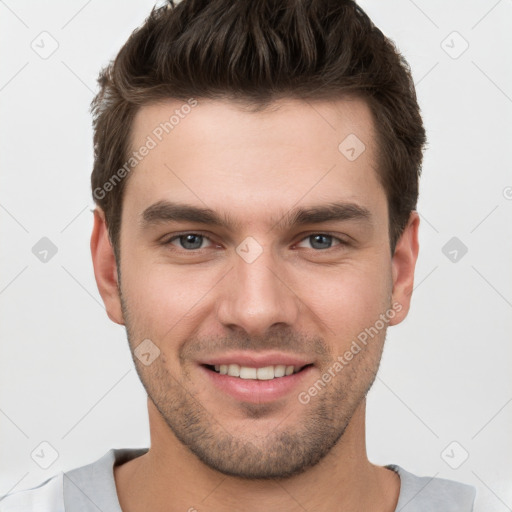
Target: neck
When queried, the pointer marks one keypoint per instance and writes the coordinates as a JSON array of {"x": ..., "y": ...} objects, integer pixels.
[{"x": 170, "y": 478}]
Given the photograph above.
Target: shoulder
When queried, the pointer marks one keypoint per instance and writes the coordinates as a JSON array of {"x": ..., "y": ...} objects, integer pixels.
[
  {"x": 46, "y": 497},
  {"x": 428, "y": 494},
  {"x": 74, "y": 489}
]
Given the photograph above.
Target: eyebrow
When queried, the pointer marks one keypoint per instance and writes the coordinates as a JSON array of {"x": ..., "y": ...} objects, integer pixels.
[{"x": 167, "y": 211}]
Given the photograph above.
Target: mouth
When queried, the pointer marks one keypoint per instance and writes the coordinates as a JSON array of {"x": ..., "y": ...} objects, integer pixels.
[{"x": 254, "y": 378}]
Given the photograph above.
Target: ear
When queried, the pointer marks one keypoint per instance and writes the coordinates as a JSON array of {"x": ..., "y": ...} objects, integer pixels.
[
  {"x": 105, "y": 268},
  {"x": 403, "y": 264}
]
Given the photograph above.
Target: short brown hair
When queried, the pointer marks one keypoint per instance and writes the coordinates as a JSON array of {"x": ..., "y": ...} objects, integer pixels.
[{"x": 257, "y": 52}]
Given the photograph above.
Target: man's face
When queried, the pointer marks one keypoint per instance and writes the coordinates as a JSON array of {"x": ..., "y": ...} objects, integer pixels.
[{"x": 258, "y": 290}]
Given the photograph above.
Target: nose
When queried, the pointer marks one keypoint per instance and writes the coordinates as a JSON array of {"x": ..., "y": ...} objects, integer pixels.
[{"x": 256, "y": 296}]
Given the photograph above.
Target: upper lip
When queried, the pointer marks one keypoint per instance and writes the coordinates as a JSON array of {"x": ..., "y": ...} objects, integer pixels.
[{"x": 257, "y": 359}]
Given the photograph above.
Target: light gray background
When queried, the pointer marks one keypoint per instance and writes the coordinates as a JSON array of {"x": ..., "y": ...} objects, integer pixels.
[{"x": 66, "y": 376}]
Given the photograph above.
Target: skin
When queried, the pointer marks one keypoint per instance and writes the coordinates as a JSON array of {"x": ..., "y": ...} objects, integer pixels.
[{"x": 210, "y": 451}]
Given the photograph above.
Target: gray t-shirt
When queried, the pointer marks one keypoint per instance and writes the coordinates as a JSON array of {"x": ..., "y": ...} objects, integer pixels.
[{"x": 92, "y": 488}]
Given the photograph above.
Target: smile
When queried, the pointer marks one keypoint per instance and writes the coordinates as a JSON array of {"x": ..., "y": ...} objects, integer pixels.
[{"x": 263, "y": 373}]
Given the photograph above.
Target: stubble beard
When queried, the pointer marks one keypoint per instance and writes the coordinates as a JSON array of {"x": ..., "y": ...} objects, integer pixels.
[{"x": 280, "y": 453}]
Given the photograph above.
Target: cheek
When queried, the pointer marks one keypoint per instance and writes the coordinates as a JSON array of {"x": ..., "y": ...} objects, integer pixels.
[
  {"x": 167, "y": 300},
  {"x": 161, "y": 297},
  {"x": 349, "y": 299}
]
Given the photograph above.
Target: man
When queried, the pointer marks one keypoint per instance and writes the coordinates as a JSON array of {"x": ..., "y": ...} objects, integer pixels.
[{"x": 256, "y": 177}]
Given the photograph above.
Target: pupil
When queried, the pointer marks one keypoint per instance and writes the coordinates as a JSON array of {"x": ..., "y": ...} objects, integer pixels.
[
  {"x": 325, "y": 238},
  {"x": 188, "y": 241}
]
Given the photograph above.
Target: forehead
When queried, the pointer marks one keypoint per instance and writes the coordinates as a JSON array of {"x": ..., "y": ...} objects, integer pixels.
[{"x": 219, "y": 155}]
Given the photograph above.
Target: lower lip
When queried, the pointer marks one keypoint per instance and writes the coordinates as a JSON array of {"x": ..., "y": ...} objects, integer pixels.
[{"x": 257, "y": 391}]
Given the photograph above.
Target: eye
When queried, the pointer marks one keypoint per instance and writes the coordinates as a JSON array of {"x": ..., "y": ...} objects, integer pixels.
[
  {"x": 323, "y": 241},
  {"x": 195, "y": 241},
  {"x": 188, "y": 241}
]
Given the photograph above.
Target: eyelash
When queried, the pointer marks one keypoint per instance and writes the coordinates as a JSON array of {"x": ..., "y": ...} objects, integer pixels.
[{"x": 342, "y": 243}]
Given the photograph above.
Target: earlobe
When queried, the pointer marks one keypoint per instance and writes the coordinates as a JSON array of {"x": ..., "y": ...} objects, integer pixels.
[
  {"x": 105, "y": 268},
  {"x": 403, "y": 266}
]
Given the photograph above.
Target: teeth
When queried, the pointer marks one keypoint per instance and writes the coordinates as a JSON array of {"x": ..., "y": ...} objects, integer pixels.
[
  {"x": 265, "y": 373},
  {"x": 234, "y": 370},
  {"x": 248, "y": 373},
  {"x": 280, "y": 370}
]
